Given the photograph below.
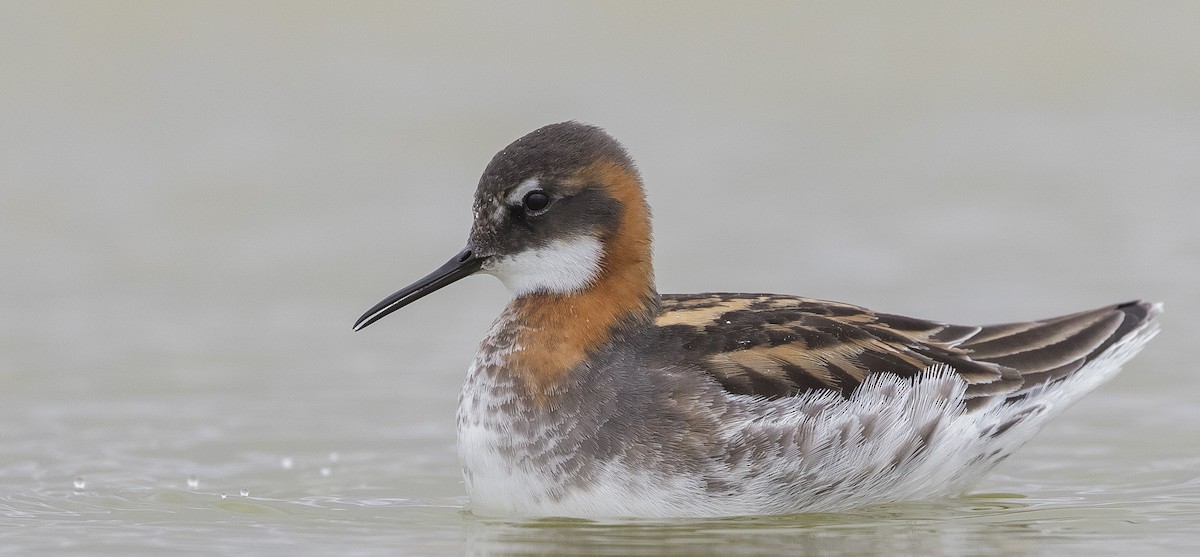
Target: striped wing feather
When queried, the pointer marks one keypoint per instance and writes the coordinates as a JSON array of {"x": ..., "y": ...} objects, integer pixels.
[{"x": 776, "y": 346}]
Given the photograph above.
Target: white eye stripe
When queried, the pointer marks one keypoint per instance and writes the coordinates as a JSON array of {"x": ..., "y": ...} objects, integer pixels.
[
  {"x": 517, "y": 195},
  {"x": 498, "y": 212},
  {"x": 514, "y": 198}
]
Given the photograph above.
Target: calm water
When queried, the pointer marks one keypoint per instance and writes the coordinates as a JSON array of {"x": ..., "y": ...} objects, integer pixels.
[{"x": 198, "y": 200}]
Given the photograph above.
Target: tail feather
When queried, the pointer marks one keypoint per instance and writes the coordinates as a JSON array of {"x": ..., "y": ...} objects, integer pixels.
[
  {"x": 1049, "y": 350},
  {"x": 1071, "y": 341}
]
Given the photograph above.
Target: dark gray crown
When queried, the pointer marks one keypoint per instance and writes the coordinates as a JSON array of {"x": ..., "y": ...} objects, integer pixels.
[{"x": 553, "y": 151}]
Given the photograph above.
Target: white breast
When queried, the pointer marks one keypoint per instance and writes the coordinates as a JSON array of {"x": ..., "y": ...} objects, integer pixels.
[{"x": 893, "y": 439}]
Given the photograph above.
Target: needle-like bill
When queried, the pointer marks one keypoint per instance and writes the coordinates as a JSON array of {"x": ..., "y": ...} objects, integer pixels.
[{"x": 459, "y": 266}]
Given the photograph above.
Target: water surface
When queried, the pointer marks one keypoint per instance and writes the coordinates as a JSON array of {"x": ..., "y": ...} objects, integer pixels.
[{"x": 198, "y": 200}]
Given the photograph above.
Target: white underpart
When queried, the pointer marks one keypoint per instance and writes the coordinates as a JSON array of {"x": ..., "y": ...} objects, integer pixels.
[
  {"x": 561, "y": 267},
  {"x": 482, "y": 404},
  {"x": 849, "y": 452}
]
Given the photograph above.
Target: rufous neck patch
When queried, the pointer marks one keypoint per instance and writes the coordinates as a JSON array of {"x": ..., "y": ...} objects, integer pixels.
[{"x": 559, "y": 331}]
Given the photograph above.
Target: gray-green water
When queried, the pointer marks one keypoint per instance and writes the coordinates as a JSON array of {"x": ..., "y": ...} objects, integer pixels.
[{"x": 198, "y": 199}]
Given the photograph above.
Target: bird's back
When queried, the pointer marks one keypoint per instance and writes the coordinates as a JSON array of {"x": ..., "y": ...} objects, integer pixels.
[
  {"x": 864, "y": 408},
  {"x": 779, "y": 346}
]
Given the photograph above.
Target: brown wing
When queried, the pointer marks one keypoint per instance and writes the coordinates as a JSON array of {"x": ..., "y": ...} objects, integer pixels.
[{"x": 776, "y": 346}]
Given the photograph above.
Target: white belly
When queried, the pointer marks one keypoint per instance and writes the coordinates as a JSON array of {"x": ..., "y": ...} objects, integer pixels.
[{"x": 894, "y": 439}]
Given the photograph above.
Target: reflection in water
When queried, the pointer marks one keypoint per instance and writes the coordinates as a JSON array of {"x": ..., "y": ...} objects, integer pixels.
[{"x": 953, "y": 527}]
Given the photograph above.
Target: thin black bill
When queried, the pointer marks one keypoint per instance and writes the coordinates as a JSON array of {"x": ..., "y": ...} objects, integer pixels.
[{"x": 464, "y": 264}]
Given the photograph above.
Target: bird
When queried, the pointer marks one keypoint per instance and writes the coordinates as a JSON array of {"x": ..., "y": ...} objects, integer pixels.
[{"x": 592, "y": 395}]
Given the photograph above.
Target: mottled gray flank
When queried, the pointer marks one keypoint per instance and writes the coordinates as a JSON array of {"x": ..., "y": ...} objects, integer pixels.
[{"x": 680, "y": 437}]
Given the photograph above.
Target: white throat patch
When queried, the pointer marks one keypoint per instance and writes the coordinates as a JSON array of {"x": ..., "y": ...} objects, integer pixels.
[{"x": 563, "y": 267}]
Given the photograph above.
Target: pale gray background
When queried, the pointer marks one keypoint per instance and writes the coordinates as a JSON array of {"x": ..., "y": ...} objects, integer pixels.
[{"x": 197, "y": 199}]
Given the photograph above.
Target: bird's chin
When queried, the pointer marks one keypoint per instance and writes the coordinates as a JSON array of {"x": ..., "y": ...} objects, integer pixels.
[{"x": 560, "y": 267}]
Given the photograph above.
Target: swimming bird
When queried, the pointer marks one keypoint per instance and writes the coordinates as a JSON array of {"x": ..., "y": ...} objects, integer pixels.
[{"x": 592, "y": 395}]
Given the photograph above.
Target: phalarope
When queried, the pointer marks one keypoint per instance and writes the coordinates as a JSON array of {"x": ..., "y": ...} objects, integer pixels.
[{"x": 594, "y": 396}]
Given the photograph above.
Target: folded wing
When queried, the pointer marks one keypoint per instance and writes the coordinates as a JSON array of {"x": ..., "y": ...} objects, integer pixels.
[{"x": 777, "y": 346}]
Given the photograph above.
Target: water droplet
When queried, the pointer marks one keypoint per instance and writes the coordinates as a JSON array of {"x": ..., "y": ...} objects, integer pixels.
[
  {"x": 245, "y": 492},
  {"x": 79, "y": 483},
  {"x": 334, "y": 457},
  {"x": 193, "y": 482},
  {"x": 326, "y": 471},
  {"x": 287, "y": 462}
]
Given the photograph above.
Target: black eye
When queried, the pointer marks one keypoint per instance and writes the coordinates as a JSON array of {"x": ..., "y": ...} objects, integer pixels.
[{"x": 536, "y": 201}]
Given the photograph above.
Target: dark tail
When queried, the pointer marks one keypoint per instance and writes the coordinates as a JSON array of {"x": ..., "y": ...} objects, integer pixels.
[{"x": 1048, "y": 350}]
